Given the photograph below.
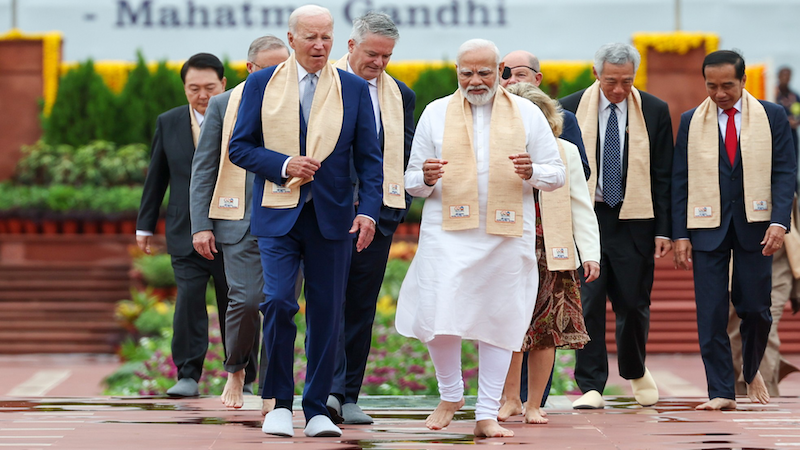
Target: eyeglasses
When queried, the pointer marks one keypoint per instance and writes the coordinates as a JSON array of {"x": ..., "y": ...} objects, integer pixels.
[
  {"x": 507, "y": 71},
  {"x": 253, "y": 63}
]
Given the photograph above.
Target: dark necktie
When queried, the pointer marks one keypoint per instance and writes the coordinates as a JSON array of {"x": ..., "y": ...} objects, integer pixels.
[
  {"x": 730, "y": 135},
  {"x": 612, "y": 161}
]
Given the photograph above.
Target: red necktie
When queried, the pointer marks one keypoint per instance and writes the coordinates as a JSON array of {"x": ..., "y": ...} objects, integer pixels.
[{"x": 730, "y": 135}]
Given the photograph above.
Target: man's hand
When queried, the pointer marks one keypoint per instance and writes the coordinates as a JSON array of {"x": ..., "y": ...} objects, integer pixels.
[
  {"x": 144, "y": 243},
  {"x": 591, "y": 270},
  {"x": 683, "y": 254},
  {"x": 366, "y": 231},
  {"x": 663, "y": 246},
  {"x": 302, "y": 167},
  {"x": 432, "y": 170},
  {"x": 205, "y": 244},
  {"x": 522, "y": 165},
  {"x": 773, "y": 240}
]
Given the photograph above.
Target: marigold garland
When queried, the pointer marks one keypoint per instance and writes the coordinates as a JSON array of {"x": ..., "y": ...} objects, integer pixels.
[
  {"x": 679, "y": 42},
  {"x": 51, "y": 59}
]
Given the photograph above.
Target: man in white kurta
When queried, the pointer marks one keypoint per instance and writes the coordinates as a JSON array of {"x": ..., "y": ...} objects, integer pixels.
[{"x": 468, "y": 284}]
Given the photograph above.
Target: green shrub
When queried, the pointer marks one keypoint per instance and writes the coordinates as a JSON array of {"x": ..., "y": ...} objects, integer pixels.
[
  {"x": 84, "y": 109},
  {"x": 582, "y": 81},
  {"x": 156, "y": 270},
  {"x": 133, "y": 106},
  {"x": 232, "y": 76},
  {"x": 433, "y": 84},
  {"x": 164, "y": 92}
]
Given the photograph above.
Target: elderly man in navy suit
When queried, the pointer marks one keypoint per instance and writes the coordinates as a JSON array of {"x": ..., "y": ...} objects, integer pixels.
[
  {"x": 733, "y": 181},
  {"x": 299, "y": 123}
]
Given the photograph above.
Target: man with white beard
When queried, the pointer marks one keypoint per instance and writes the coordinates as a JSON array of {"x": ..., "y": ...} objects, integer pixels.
[{"x": 475, "y": 275}]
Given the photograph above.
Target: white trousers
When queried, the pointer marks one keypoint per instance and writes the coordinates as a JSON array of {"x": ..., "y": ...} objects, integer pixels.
[{"x": 493, "y": 363}]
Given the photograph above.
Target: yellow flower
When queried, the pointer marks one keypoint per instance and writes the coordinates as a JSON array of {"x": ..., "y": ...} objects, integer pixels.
[
  {"x": 161, "y": 308},
  {"x": 386, "y": 305}
]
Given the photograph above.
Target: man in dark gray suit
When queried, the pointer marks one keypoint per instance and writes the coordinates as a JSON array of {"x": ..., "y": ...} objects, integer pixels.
[
  {"x": 176, "y": 135},
  {"x": 239, "y": 247}
]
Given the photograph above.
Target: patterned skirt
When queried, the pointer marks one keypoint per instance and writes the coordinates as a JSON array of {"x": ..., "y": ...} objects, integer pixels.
[{"x": 558, "y": 318}]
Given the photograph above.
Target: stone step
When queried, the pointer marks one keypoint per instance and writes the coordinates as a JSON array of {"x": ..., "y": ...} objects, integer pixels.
[
  {"x": 27, "y": 296},
  {"x": 85, "y": 326},
  {"x": 19, "y": 347}
]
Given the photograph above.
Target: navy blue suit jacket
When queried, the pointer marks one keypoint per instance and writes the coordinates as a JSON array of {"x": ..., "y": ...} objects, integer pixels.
[
  {"x": 391, "y": 217},
  {"x": 332, "y": 189},
  {"x": 571, "y": 132},
  {"x": 784, "y": 168}
]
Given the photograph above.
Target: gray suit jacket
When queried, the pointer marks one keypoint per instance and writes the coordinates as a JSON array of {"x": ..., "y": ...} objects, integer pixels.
[{"x": 205, "y": 168}]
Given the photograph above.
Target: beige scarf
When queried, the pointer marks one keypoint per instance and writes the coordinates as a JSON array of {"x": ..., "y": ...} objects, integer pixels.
[
  {"x": 703, "y": 209},
  {"x": 792, "y": 243},
  {"x": 195, "y": 126},
  {"x": 280, "y": 122},
  {"x": 556, "y": 210},
  {"x": 460, "y": 207},
  {"x": 229, "y": 192},
  {"x": 393, "y": 122},
  {"x": 638, "y": 197}
]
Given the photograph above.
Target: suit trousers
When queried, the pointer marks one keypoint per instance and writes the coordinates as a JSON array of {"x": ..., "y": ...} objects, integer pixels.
[
  {"x": 326, "y": 263},
  {"x": 242, "y": 319},
  {"x": 750, "y": 293},
  {"x": 782, "y": 285},
  {"x": 626, "y": 278},
  {"x": 367, "y": 269},
  {"x": 190, "y": 323}
]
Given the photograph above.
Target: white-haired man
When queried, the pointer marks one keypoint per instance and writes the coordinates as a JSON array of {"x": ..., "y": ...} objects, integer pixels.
[
  {"x": 475, "y": 274},
  {"x": 220, "y": 198},
  {"x": 628, "y": 139},
  {"x": 370, "y": 47},
  {"x": 301, "y": 126}
]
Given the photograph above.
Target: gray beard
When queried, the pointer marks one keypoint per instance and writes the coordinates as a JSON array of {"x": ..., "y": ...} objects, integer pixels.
[{"x": 479, "y": 99}]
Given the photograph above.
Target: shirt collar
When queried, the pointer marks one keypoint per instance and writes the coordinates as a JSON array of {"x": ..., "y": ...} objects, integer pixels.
[
  {"x": 604, "y": 102},
  {"x": 302, "y": 72},
  {"x": 737, "y": 105},
  {"x": 373, "y": 82},
  {"x": 198, "y": 116}
]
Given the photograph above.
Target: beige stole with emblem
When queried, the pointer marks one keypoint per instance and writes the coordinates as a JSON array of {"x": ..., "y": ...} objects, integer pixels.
[
  {"x": 703, "y": 208},
  {"x": 792, "y": 243},
  {"x": 460, "y": 208},
  {"x": 280, "y": 122},
  {"x": 638, "y": 199},
  {"x": 195, "y": 126},
  {"x": 556, "y": 209},
  {"x": 393, "y": 122},
  {"x": 229, "y": 192}
]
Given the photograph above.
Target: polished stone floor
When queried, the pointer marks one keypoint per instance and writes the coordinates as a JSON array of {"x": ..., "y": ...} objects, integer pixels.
[{"x": 202, "y": 423}]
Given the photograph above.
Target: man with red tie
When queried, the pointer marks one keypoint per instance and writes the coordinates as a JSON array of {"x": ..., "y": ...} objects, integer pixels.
[{"x": 733, "y": 181}]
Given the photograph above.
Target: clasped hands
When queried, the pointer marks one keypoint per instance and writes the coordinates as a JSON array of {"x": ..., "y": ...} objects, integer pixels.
[{"x": 433, "y": 169}]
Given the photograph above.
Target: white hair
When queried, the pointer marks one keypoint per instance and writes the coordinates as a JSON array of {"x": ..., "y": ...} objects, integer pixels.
[
  {"x": 617, "y": 54},
  {"x": 375, "y": 23},
  {"x": 477, "y": 44},
  {"x": 307, "y": 11}
]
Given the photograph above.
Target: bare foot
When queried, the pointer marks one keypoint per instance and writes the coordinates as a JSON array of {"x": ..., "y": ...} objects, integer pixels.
[
  {"x": 511, "y": 407},
  {"x": 267, "y": 405},
  {"x": 490, "y": 428},
  {"x": 535, "y": 415},
  {"x": 232, "y": 395},
  {"x": 757, "y": 390},
  {"x": 443, "y": 414},
  {"x": 717, "y": 404}
]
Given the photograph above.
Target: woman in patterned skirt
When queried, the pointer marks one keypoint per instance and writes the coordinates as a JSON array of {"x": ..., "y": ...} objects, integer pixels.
[{"x": 565, "y": 218}]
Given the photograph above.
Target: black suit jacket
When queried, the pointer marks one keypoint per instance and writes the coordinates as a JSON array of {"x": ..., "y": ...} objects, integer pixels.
[
  {"x": 659, "y": 130},
  {"x": 170, "y": 166}
]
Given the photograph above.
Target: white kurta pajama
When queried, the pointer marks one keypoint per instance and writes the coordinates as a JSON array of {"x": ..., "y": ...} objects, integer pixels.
[{"x": 468, "y": 283}]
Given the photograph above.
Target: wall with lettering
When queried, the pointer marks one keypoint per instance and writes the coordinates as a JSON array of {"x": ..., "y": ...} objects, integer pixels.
[{"x": 765, "y": 30}]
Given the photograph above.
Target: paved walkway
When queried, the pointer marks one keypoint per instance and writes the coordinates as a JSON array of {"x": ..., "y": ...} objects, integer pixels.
[{"x": 55, "y": 401}]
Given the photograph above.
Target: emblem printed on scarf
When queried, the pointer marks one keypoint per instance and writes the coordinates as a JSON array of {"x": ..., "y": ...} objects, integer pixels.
[
  {"x": 280, "y": 189},
  {"x": 459, "y": 211},
  {"x": 394, "y": 189},
  {"x": 560, "y": 253},
  {"x": 505, "y": 216},
  {"x": 760, "y": 205},
  {"x": 703, "y": 211},
  {"x": 229, "y": 202}
]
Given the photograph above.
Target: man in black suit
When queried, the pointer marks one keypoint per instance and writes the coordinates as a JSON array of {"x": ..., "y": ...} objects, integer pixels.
[
  {"x": 628, "y": 137},
  {"x": 370, "y": 47},
  {"x": 177, "y": 132},
  {"x": 745, "y": 144}
]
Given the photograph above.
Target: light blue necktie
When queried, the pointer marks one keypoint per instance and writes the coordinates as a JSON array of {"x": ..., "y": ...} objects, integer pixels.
[
  {"x": 612, "y": 161},
  {"x": 308, "y": 95}
]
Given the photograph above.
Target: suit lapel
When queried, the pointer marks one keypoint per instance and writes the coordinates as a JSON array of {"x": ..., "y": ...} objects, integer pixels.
[{"x": 184, "y": 134}]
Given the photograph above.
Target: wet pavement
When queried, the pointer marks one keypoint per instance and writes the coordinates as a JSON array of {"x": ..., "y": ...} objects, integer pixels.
[{"x": 162, "y": 423}]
